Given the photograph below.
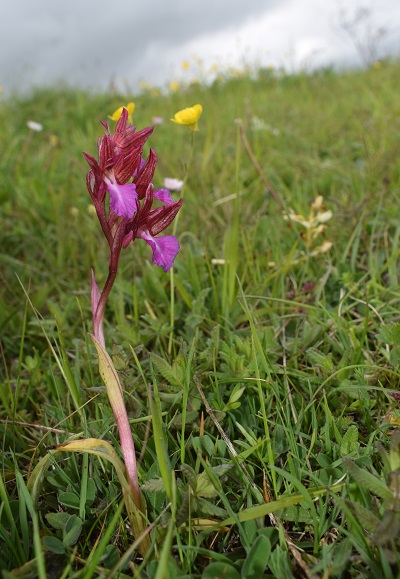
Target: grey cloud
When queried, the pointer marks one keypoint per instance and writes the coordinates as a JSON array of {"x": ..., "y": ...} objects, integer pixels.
[
  {"x": 94, "y": 42},
  {"x": 91, "y": 41}
]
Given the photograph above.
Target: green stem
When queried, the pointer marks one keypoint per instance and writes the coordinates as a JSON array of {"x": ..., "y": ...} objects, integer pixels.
[{"x": 171, "y": 272}]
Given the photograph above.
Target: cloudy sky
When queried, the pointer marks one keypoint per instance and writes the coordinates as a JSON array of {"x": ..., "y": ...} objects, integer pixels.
[{"x": 93, "y": 43}]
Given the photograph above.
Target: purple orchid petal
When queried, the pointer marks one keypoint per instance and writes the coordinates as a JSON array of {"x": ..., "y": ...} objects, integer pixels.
[
  {"x": 164, "y": 195},
  {"x": 165, "y": 248},
  {"x": 123, "y": 198}
]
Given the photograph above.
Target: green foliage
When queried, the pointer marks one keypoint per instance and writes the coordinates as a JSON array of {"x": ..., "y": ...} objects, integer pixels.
[
  {"x": 257, "y": 558},
  {"x": 383, "y": 523},
  {"x": 293, "y": 438},
  {"x": 70, "y": 527}
]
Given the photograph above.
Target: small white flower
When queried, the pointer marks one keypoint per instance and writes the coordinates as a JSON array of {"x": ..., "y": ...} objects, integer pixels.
[
  {"x": 323, "y": 248},
  {"x": 258, "y": 124},
  {"x": 173, "y": 184},
  {"x": 34, "y": 126},
  {"x": 324, "y": 216}
]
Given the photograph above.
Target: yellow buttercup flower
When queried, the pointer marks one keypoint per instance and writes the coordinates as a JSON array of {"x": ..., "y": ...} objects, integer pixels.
[
  {"x": 54, "y": 140},
  {"x": 130, "y": 107},
  {"x": 188, "y": 117},
  {"x": 146, "y": 86},
  {"x": 174, "y": 86}
]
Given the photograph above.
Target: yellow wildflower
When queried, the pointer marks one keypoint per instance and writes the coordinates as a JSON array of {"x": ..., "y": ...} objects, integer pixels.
[
  {"x": 188, "y": 117},
  {"x": 130, "y": 107},
  {"x": 54, "y": 140},
  {"x": 74, "y": 212},
  {"x": 146, "y": 86},
  {"x": 185, "y": 65},
  {"x": 174, "y": 85}
]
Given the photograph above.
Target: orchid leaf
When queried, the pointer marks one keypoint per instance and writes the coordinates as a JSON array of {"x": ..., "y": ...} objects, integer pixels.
[
  {"x": 105, "y": 451},
  {"x": 109, "y": 376},
  {"x": 35, "y": 480}
]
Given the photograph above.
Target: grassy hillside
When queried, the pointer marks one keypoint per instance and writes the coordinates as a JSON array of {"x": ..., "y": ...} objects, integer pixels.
[{"x": 268, "y": 442}]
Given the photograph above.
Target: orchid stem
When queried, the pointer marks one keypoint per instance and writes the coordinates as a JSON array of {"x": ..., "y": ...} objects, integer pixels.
[
  {"x": 99, "y": 313},
  {"x": 114, "y": 393},
  {"x": 116, "y": 396}
]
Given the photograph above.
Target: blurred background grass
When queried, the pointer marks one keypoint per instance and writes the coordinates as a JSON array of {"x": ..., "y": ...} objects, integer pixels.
[{"x": 326, "y": 134}]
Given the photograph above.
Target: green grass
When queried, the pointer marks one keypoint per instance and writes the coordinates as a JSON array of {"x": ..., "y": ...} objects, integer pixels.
[{"x": 267, "y": 443}]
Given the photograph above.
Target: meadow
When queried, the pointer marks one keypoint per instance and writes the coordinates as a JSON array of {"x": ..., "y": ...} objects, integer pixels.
[{"x": 260, "y": 374}]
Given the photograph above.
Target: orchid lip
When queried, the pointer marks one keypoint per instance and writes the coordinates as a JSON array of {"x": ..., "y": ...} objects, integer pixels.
[
  {"x": 122, "y": 198},
  {"x": 165, "y": 248}
]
